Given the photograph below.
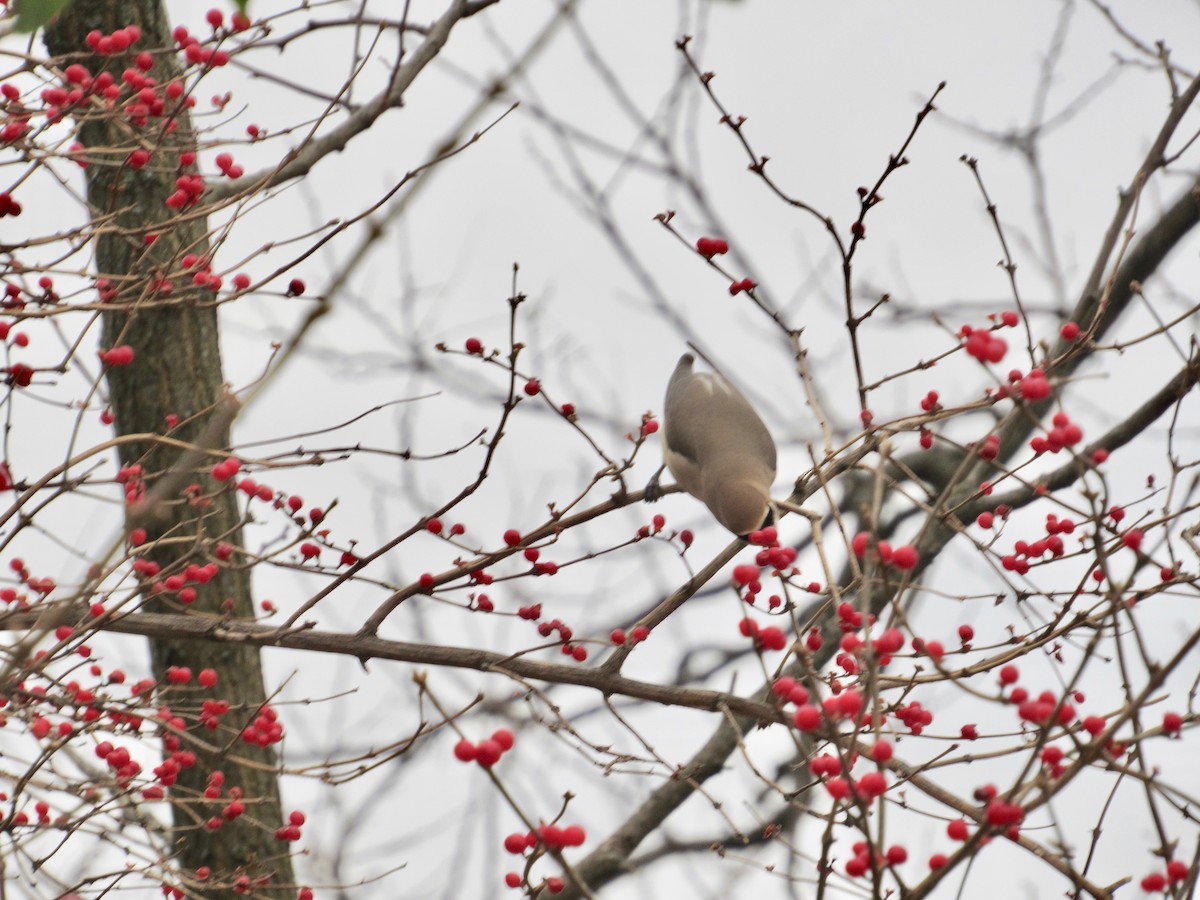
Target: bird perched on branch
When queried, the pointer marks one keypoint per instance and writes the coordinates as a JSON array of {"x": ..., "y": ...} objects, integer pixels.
[{"x": 717, "y": 448}]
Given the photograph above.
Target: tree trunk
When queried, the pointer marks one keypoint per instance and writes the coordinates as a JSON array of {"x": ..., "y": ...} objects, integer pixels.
[{"x": 176, "y": 371}]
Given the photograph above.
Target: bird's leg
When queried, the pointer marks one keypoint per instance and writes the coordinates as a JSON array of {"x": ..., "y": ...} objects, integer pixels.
[{"x": 653, "y": 489}]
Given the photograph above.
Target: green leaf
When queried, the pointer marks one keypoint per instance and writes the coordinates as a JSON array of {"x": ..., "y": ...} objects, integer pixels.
[
  {"x": 242, "y": 5},
  {"x": 33, "y": 14}
]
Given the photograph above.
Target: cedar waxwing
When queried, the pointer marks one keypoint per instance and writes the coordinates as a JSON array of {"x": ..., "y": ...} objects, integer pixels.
[{"x": 717, "y": 448}]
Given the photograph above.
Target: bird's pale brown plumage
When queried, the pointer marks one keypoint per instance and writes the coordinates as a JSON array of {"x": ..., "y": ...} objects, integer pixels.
[{"x": 718, "y": 448}]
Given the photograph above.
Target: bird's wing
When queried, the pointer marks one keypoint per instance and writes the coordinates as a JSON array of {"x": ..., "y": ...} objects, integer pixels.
[{"x": 708, "y": 418}]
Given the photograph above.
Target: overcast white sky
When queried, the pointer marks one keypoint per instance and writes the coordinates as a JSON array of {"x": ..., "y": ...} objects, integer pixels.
[{"x": 829, "y": 91}]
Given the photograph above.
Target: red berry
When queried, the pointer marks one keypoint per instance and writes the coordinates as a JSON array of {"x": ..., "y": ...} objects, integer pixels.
[
  {"x": 745, "y": 574},
  {"x": 1069, "y": 331},
  {"x": 710, "y": 247},
  {"x": 295, "y": 287},
  {"x": 1052, "y": 755},
  {"x": 838, "y": 787},
  {"x": 896, "y": 855},
  {"x": 1154, "y": 883},
  {"x": 465, "y": 751},
  {"x": 488, "y": 754},
  {"x": 771, "y": 638},
  {"x": 117, "y": 357},
  {"x": 1177, "y": 870},
  {"x": 1034, "y": 386},
  {"x": 512, "y": 537},
  {"x": 808, "y": 718},
  {"x": 474, "y": 345},
  {"x": 957, "y": 830},
  {"x": 891, "y": 641},
  {"x": 905, "y": 557},
  {"x": 873, "y": 784},
  {"x": 1132, "y": 538}
]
